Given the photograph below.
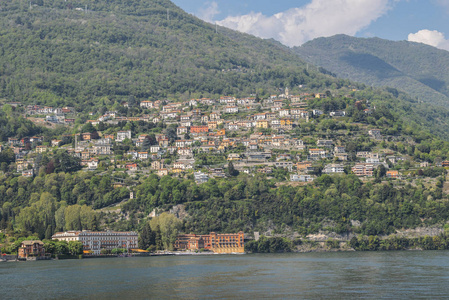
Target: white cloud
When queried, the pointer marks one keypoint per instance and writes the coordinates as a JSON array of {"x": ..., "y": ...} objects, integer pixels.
[
  {"x": 209, "y": 12},
  {"x": 430, "y": 37},
  {"x": 319, "y": 18}
]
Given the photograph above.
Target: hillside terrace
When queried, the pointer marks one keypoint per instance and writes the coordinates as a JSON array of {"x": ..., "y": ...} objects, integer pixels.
[{"x": 229, "y": 128}]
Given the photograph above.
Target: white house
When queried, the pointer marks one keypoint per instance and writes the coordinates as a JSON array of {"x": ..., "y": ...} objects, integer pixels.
[
  {"x": 143, "y": 155},
  {"x": 122, "y": 135},
  {"x": 200, "y": 177},
  {"x": 301, "y": 178},
  {"x": 333, "y": 168},
  {"x": 185, "y": 151},
  {"x": 324, "y": 143},
  {"x": 181, "y": 130},
  {"x": 338, "y": 113},
  {"x": 92, "y": 164},
  {"x": 317, "y": 112},
  {"x": 154, "y": 149},
  {"x": 146, "y": 104},
  {"x": 231, "y": 109},
  {"x": 284, "y": 113}
]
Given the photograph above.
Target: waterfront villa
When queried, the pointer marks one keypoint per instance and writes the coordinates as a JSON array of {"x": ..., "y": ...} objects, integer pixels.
[
  {"x": 216, "y": 242},
  {"x": 31, "y": 249},
  {"x": 95, "y": 241}
]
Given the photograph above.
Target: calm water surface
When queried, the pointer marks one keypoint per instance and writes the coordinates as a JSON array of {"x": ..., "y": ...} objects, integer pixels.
[{"x": 344, "y": 275}]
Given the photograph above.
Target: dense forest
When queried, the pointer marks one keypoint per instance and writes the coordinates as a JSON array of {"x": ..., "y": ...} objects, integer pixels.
[
  {"x": 15, "y": 125},
  {"x": 58, "y": 53},
  {"x": 57, "y": 201}
]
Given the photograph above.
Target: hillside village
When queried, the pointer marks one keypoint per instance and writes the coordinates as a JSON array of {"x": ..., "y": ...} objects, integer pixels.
[
  {"x": 289, "y": 137},
  {"x": 111, "y": 126}
]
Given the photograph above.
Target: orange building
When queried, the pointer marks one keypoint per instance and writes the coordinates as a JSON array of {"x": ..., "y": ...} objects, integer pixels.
[
  {"x": 199, "y": 129},
  {"x": 393, "y": 174},
  {"x": 87, "y": 136},
  {"x": 216, "y": 242},
  {"x": 303, "y": 165},
  {"x": 221, "y": 132},
  {"x": 286, "y": 122},
  {"x": 131, "y": 166},
  {"x": 189, "y": 242}
]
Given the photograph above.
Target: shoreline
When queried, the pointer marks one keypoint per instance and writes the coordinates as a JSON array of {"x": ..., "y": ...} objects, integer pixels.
[{"x": 227, "y": 254}]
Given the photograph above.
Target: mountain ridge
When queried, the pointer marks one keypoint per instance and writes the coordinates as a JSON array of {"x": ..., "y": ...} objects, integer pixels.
[{"x": 415, "y": 68}]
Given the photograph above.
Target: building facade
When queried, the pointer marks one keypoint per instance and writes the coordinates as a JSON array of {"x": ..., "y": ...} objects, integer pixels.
[
  {"x": 33, "y": 249},
  {"x": 363, "y": 169},
  {"x": 215, "y": 242},
  {"x": 333, "y": 168},
  {"x": 199, "y": 129},
  {"x": 122, "y": 135},
  {"x": 95, "y": 241}
]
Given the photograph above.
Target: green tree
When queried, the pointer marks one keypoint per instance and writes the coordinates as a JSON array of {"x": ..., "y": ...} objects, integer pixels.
[
  {"x": 381, "y": 171},
  {"x": 64, "y": 162},
  {"x": 49, "y": 232},
  {"x": 88, "y": 127},
  {"x": 117, "y": 251},
  {"x": 169, "y": 227},
  {"x": 94, "y": 223},
  {"x": 86, "y": 216},
  {"x": 60, "y": 218},
  {"x": 231, "y": 170},
  {"x": 49, "y": 246},
  {"x": 75, "y": 247},
  {"x": 61, "y": 247},
  {"x": 158, "y": 238},
  {"x": 146, "y": 238},
  {"x": 72, "y": 217}
]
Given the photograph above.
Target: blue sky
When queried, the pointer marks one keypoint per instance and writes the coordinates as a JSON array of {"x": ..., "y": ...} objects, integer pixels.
[{"x": 294, "y": 22}]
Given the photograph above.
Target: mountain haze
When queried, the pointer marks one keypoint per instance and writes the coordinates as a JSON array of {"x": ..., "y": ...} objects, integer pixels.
[{"x": 418, "y": 69}]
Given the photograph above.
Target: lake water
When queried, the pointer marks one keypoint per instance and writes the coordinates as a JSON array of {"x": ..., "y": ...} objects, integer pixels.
[{"x": 369, "y": 275}]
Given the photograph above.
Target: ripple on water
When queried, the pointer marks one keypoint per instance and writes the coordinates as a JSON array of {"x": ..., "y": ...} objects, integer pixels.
[{"x": 366, "y": 275}]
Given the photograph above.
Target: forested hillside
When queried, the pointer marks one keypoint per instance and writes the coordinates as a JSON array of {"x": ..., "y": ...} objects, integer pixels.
[
  {"x": 63, "y": 201},
  {"x": 59, "y": 53},
  {"x": 419, "y": 70},
  {"x": 65, "y": 168}
]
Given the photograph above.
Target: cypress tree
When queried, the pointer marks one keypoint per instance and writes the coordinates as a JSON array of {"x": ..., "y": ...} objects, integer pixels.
[
  {"x": 231, "y": 170},
  {"x": 146, "y": 236},
  {"x": 94, "y": 223},
  {"x": 49, "y": 232},
  {"x": 158, "y": 238}
]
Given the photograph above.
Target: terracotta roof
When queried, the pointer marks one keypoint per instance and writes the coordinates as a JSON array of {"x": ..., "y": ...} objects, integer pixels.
[{"x": 26, "y": 243}]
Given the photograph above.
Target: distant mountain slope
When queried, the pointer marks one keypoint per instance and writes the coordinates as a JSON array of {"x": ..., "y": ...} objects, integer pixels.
[
  {"x": 57, "y": 52},
  {"x": 94, "y": 54},
  {"x": 418, "y": 69}
]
